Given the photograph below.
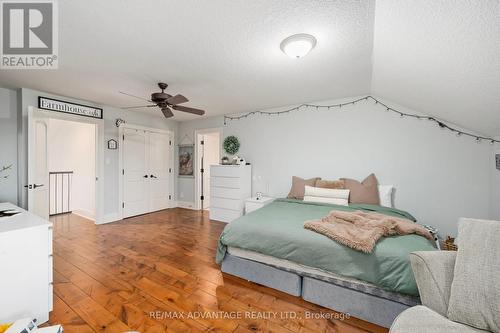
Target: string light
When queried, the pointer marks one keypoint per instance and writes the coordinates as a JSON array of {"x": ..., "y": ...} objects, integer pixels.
[{"x": 305, "y": 107}]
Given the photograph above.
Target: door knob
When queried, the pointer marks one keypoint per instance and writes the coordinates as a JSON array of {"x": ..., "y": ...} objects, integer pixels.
[
  {"x": 37, "y": 185},
  {"x": 153, "y": 176}
]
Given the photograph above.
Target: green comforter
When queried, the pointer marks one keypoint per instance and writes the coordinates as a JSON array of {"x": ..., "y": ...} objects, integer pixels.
[{"x": 277, "y": 230}]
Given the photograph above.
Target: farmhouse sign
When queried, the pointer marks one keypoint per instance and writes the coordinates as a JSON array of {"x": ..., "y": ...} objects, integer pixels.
[{"x": 50, "y": 104}]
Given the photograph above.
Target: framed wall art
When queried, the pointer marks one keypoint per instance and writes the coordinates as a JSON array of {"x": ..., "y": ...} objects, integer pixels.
[{"x": 186, "y": 161}]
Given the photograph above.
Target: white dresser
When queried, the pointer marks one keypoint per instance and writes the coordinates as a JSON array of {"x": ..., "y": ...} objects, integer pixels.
[
  {"x": 25, "y": 266},
  {"x": 230, "y": 185}
]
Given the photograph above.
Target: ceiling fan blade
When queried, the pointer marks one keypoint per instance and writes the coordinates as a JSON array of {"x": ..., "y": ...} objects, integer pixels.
[
  {"x": 188, "y": 110},
  {"x": 167, "y": 112},
  {"x": 140, "y": 106},
  {"x": 124, "y": 93},
  {"x": 177, "y": 99}
]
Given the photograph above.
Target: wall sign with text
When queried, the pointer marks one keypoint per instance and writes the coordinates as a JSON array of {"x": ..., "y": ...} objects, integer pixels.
[{"x": 67, "y": 107}]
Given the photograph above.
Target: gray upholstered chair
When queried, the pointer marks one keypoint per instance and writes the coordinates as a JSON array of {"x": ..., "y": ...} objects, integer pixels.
[{"x": 434, "y": 274}]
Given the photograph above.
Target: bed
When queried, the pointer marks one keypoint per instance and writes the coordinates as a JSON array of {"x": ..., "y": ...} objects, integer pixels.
[{"x": 271, "y": 247}]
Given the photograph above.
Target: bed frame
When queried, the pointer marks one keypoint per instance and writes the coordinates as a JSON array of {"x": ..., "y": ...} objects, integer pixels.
[{"x": 367, "y": 303}]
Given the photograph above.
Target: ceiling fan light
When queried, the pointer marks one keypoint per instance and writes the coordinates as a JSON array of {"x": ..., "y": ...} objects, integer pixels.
[{"x": 299, "y": 45}]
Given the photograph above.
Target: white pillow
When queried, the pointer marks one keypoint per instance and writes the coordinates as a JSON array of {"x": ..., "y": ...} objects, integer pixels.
[
  {"x": 385, "y": 193},
  {"x": 326, "y": 195}
]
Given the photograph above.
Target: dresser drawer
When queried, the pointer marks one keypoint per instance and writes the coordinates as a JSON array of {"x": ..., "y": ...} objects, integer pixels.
[
  {"x": 232, "y": 204},
  {"x": 225, "y": 192},
  {"x": 226, "y": 171},
  {"x": 224, "y": 215},
  {"x": 229, "y": 182}
]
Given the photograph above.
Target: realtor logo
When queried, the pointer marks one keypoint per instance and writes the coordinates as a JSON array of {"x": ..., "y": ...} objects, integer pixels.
[{"x": 29, "y": 34}]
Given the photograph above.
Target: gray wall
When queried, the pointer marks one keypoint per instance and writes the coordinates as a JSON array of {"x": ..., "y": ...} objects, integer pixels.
[
  {"x": 110, "y": 114},
  {"x": 439, "y": 177},
  {"x": 8, "y": 144}
]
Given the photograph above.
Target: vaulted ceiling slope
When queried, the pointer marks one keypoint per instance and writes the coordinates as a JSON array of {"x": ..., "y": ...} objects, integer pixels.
[
  {"x": 438, "y": 57},
  {"x": 441, "y": 58}
]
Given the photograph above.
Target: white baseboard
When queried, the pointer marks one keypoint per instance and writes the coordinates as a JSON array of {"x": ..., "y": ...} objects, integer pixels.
[
  {"x": 113, "y": 217},
  {"x": 86, "y": 214},
  {"x": 185, "y": 204},
  {"x": 108, "y": 218}
]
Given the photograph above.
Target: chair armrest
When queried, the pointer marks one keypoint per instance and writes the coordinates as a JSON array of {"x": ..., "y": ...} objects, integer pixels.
[{"x": 433, "y": 272}]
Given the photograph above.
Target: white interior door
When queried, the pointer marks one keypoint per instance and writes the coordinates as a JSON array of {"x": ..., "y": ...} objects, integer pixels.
[
  {"x": 159, "y": 171},
  {"x": 38, "y": 172},
  {"x": 211, "y": 156},
  {"x": 203, "y": 170},
  {"x": 135, "y": 172},
  {"x": 208, "y": 153}
]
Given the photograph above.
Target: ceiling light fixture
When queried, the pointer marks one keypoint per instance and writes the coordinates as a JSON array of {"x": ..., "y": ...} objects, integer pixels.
[{"x": 299, "y": 45}]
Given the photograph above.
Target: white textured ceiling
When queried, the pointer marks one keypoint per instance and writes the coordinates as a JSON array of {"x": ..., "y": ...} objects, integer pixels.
[
  {"x": 441, "y": 58},
  {"x": 438, "y": 57},
  {"x": 223, "y": 55}
]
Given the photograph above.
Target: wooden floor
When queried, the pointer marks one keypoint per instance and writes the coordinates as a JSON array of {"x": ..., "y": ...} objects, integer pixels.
[{"x": 156, "y": 273}]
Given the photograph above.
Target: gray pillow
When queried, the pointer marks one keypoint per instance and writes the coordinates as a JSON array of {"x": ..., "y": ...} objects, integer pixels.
[{"x": 475, "y": 290}]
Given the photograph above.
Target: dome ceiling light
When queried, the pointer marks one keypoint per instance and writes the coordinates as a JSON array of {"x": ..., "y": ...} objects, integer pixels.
[{"x": 299, "y": 45}]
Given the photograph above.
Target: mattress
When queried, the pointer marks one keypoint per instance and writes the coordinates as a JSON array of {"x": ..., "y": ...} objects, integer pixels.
[
  {"x": 323, "y": 275},
  {"x": 277, "y": 230}
]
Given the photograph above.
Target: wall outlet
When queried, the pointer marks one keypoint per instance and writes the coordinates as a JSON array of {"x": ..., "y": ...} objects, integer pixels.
[{"x": 181, "y": 195}]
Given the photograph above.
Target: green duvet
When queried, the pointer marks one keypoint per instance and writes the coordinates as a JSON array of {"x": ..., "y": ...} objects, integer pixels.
[{"x": 277, "y": 230}]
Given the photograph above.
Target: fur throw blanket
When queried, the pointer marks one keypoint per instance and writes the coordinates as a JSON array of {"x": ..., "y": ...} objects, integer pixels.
[{"x": 361, "y": 230}]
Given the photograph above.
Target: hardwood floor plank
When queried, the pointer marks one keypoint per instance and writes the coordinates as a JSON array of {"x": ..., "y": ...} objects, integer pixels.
[
  {"x": 64, "y": 315},
  {"x": 157, "y": 273},
  {"x": 96, "y": 316}
]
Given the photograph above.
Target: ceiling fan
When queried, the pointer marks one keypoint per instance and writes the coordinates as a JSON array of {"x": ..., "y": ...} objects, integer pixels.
[{"x": 165, "y": 102}]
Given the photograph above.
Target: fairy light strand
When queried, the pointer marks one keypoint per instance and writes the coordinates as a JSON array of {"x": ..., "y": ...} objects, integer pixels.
[{"x": 441, "y": 124}]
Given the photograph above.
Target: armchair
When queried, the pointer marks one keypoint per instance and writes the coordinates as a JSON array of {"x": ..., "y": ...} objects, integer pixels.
[{"x": 433, "y": 272}]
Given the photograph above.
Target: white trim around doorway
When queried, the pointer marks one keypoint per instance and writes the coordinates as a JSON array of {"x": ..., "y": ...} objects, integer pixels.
[
  {"x": 197, "y": 203},
  {"x": 99, "y": 151},
  {"x": 120, "y": 164}
]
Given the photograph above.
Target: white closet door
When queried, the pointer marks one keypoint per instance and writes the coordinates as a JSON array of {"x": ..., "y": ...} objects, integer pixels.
[
  {"x": 135, "y": 173},
  {"x": 159, "y": 174}
]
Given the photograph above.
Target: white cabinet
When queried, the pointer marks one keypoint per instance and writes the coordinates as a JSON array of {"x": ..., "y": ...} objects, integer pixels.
[
  {"x": 256, "y": 203},
  {"x": 230, "y": 185},
  {"x": 25, "y": 266}
]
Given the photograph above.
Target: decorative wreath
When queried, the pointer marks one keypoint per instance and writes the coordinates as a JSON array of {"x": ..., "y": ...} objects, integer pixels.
[{"x": 231, "y": 145}]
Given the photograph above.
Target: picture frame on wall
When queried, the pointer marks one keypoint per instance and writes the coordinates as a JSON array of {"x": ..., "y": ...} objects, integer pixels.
[{"x": 186, "y": 161}]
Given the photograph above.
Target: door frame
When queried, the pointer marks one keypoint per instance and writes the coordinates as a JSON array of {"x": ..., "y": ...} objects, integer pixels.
[
  {"x": 171, "y": 178},
  {"x": 197, "y": 203},
  {"x": 99, "y": 151}
]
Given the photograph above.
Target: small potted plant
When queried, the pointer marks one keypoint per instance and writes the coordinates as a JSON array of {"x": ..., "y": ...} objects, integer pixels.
[{"x": 231, "y": 146}]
